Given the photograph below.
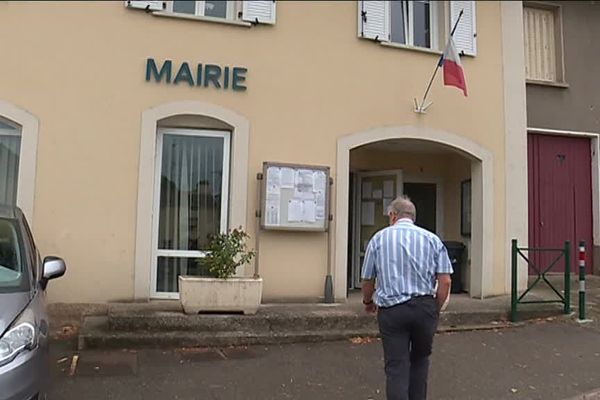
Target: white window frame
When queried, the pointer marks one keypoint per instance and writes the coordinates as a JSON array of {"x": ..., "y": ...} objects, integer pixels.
[
  {"x": 232, "y": 8},
  {"x": 10, "y": 132},
  {"x": 434, "y": 7},
  {"x": 16, "y": 132},
  {"x": 156, "y": 252}
]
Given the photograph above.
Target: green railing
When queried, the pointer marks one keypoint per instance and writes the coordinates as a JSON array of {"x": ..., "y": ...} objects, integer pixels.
[{"x": 563, "y": 298}]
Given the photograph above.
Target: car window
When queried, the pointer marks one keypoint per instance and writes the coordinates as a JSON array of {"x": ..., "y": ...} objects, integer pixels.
[{"x": 13, "y": 273}]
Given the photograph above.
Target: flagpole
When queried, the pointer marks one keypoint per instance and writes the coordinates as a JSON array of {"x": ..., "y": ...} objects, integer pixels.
[{"x": 421, "y": 108}]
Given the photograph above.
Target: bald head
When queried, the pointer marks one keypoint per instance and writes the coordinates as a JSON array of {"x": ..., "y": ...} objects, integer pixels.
[{"x": 402, "y": 207}]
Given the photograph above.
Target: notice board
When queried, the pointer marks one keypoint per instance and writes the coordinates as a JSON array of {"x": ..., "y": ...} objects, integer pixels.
[{"x": 295, "y": 197}]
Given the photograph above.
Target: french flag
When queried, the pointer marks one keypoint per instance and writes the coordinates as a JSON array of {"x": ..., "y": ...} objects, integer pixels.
[{"x": 453, "y": 71}]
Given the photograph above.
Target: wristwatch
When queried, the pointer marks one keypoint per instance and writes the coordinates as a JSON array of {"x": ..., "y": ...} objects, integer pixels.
[{"x": 366, "y": 303}]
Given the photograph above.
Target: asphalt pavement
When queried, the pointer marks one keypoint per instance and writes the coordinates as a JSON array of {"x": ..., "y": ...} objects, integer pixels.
[{"x": 549, "y": 360}]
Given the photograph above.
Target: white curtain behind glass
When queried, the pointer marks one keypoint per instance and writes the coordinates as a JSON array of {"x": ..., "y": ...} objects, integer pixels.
[
  {"x": 190, "y": 202},
  {"x": 10, "y": 148}
]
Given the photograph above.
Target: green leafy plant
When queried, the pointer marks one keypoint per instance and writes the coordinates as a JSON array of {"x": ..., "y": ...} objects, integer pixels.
[{"x": 226, "y": 252}]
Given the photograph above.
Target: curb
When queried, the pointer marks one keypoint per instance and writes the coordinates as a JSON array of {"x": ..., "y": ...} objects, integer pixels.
[{"x": 593, "y": 395}]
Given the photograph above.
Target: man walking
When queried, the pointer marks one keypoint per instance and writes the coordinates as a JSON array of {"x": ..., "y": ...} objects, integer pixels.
[{"x": 406, "y": 261}]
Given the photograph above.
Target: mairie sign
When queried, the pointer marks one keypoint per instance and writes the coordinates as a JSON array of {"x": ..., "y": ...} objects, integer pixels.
[{"x": 199, "y": 75}]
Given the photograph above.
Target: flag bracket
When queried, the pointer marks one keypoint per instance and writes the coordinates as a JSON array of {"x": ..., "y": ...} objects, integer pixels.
[{"x": 422, "y": 108}]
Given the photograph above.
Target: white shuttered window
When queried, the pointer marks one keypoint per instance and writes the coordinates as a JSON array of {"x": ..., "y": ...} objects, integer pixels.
[
  {"x": 261, "y": 11},
  {"x": 255, "y": 11},
  {"x": 541, "y": 55},
  {"x": 146, "y": 5},
  {"x": 374, "y": 20},
  {"x": 420, "y": 24},
  {"x": 465, "y": 36}
]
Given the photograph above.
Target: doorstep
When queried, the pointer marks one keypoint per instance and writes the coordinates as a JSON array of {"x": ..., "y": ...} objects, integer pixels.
[{"x": 151, "y": 325}]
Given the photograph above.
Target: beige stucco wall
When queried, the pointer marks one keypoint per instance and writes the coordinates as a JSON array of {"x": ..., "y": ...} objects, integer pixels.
[{"x": 80, "y": 68}]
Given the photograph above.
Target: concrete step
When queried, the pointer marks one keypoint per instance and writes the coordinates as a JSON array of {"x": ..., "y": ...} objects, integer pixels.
[
  {"x": 152, "y": 326},
  {"x": 265, "y": 321},
  {"x": 95, "y": 333}
]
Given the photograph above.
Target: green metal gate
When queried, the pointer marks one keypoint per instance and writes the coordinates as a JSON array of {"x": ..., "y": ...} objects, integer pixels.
[{"x": 541, "y": 272}]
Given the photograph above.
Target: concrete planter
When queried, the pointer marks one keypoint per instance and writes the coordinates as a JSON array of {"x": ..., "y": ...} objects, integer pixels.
[{"x": 213, "y": 294}]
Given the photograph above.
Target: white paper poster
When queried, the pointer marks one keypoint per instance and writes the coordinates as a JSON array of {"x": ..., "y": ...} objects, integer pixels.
[
  {"x": 388, "y": 189},
  {"x": 272, "y": 213},
  {"x": 377, "y": 194},
  {"x": 305, "y": 177},
  {"x": 367, "y": 190},
  {"x": 287, "y": 178},
  {"x": 294, "y": 211},
  {"x": 386, "y": 204},
  {"x": 320, "y": 209},
  {"x": 309, "y": 210},
  {"x": 274, "y": 180},
  {"x": 304, "y": 193},
  {"x": 320, "y": 181},
  {"x": 304, "y": 188},
  {"x": 367, "y": 215}
]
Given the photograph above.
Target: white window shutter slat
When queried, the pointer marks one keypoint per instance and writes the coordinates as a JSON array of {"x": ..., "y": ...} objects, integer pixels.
[
  {"x": 259, "y": 11},
  {"x": 146, "y": 5},
  {"x": 465, "y": 36},
  {"x": 374, "y": 19}
]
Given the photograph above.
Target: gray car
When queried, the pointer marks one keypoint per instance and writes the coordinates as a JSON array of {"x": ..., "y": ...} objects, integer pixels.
[{"x": 24, "y": 367}]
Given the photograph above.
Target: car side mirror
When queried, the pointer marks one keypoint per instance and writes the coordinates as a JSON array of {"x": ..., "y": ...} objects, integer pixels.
[{"x": 54, "y": 267}]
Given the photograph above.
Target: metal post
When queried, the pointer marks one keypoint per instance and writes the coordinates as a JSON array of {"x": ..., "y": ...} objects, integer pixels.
[
  {"x": 513, "y": 291},
  {"x": 567, "y": 277},
  {"x": 581, "y": 280},
  {"x": 259, "y": 178},
  {"x": 329, "y": 298}
]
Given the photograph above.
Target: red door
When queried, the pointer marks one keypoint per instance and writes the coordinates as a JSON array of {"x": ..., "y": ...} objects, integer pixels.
[{"x": 560, "y": 196}]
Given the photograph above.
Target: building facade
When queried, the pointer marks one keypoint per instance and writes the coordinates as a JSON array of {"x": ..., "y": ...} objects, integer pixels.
[
  {"x": 563, "y": 124},
  {"x": 132, "y": 130}
]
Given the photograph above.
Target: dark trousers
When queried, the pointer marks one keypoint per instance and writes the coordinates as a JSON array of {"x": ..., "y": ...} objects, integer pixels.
[{"x": 407, "y": 331}]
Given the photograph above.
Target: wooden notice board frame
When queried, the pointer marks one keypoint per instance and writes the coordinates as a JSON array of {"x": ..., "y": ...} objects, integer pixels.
[{"x": 301, "y": 207}]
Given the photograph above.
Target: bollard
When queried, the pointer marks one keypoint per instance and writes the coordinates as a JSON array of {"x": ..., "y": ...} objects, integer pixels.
[
  {"x": 581, "y": 280},
  {"x": 567, "y": 252},
  {"x": 513, "y": 292}
]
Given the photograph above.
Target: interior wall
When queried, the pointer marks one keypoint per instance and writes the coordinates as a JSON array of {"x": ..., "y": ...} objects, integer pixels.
[{"x": 452, "y": 168}]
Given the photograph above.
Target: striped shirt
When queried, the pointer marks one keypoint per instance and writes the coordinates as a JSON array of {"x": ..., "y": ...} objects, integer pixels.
[{"x": 405, "y": 260}]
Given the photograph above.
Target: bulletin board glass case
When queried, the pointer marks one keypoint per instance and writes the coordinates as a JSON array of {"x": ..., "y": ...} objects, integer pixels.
[{"x": 295, "y": 197}]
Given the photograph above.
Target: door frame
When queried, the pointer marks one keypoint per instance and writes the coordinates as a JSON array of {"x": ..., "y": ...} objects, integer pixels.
[
  {"x": 439, "y": 197},
  {"x": 356, "y": 253},
  {"x": 595, "y": 154},
  {"x": 156, "y": 252}
]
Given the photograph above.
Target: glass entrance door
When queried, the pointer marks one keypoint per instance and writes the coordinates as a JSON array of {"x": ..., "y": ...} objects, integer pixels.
[
  {"x": 192, "y": 182},
  {"x": 374, "y": 192},
  {"x": 10, "y": 149}
]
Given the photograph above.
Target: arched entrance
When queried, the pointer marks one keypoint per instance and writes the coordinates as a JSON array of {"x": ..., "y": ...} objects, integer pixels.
[
  {"x": 427, "y": 141},
  {"x": 208, "y": 120},
  {"x": 26, "y": 126}
]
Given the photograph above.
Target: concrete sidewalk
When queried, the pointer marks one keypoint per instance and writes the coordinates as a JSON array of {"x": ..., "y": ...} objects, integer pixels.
[{"x": 163, "y": 323}]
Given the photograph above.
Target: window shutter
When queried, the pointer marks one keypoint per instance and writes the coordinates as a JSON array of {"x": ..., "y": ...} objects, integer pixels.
[
  {"x": 259, "y": 11},
  {"x": 540, "y": 44},
  {"x": 465, "y": 36},
  {"x": 374, "y": 19},
  {"x": 146, "y": 5}
]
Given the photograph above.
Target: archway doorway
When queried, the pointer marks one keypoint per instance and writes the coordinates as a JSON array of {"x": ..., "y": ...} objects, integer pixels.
[{"x": 439, "y": 168}]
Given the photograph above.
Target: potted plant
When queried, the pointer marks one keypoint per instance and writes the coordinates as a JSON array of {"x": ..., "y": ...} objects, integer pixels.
[{"x": 222, "y": 291}]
